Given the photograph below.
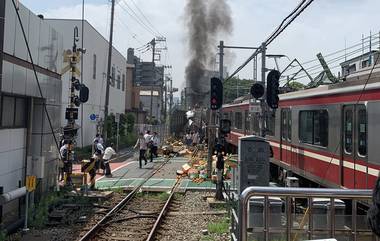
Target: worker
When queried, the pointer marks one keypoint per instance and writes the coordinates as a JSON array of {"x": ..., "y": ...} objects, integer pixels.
[
  {"x": 149, "y": 144},
  {"x": 141, "y": 143},
  {"x": 98, "y": 151},
  {"x": 155, "y": 144},
  {"x": 108, "y": 152},
  {"x": 63, "y": 158},
  {"x": 67, "y": 165}
]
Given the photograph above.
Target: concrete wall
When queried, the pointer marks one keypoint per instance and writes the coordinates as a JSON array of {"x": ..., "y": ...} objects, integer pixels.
[
  {"x": 29, "y": 149},
  {"x": 95, "y": 45}
]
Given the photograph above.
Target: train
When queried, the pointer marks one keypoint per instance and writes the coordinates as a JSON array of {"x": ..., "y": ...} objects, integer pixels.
[{"x": 328, "y": 134}]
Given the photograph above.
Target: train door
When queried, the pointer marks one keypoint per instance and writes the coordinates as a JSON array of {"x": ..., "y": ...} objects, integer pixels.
[
  {"x": 286, "y": 136},
  {"x": 354, "y": 148}
]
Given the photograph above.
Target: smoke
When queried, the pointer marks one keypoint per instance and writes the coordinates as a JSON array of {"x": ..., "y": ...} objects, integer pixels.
[{"x": 205, "y": 21}]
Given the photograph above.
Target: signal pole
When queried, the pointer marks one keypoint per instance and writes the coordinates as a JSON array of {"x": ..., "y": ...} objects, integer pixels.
[
  {"x": 219, "y": 155},
  {"x": 153, "y": 43},
  {"x": 262, "y": 101},
  {"x": 108, "y": 73}
]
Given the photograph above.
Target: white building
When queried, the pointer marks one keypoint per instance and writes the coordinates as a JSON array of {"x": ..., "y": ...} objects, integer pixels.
[
  {"x": 27, "y": 146},
  {"x": 94, "y": 77}
]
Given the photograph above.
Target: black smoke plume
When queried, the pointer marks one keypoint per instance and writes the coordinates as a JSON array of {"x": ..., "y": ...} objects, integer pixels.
[{"x": 205, "y": 20}]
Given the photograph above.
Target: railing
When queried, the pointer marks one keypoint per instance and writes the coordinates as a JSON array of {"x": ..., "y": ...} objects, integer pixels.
[{"x": 272, "y": 221}]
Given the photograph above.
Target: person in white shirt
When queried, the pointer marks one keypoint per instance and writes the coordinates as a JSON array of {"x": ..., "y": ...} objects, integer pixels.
[
  {"x": 155, "y": 144},
  {"x": 141, "y": 143},
  {"x": 149, "y": 144},
  {"x": 108, "y": 152}
]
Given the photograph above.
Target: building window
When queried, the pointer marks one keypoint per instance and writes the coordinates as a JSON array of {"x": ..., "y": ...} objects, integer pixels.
[
  {"x": 123, "y": 83},
  {"x": 362, "y": 132},
  {"x": 365, "y": 63},
  {"x": 314, "y": 127},
  {"x": 94, "y": 67},
  {"x": 14, "y": 112},
  {"x": 112, "y": 77},
  {"x": 118, "y": 81}
]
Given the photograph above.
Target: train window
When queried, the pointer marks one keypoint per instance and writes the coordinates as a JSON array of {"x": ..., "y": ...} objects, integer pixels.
[
  {"x": 289, "y": 125},
  {"x": 348, "y": 131},
  {"x": 284, "y": 123},
  {"x": 362, "y": 132},
  {"x": 271, "y": 124},
  {"x": 246, "y": 121},
  {"x": 314, "y": 127},
  {"x": 256, "y": 123},
  {"x": 238, "y": 120}
]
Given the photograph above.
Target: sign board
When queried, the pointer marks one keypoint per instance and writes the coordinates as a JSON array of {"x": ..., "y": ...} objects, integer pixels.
[
  {"x": 117, "y": 117},
  {"x": 30, "y": 183},
  {"x": 93, "y": 117},
  {"x": 254, "y": 108}
]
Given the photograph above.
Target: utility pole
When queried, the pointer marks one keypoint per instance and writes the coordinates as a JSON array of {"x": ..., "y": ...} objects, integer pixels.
[
  {"x": 108, "y": 77},
  {"x": 219, "y": 155},
  {"x": 262, "y": 101},
  {"x": 153, "y": 43}
]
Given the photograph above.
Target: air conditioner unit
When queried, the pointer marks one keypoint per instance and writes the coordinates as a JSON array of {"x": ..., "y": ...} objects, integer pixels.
[{"x": 292, "y": 182}]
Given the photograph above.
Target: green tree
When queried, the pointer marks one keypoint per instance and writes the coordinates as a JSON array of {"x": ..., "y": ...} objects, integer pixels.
[
  {"x": 296, "y": 85},
  {"x": 234, "y": 88},
  {"x": 130, "y": 122}
]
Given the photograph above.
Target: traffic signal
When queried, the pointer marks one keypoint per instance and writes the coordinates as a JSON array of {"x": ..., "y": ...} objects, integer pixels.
[
  {"x": 83, "y": 92},
  {"x": 272, "y": 88},
  {"x": 257, "y": 90},
  {"x": 216, "y": 93}
]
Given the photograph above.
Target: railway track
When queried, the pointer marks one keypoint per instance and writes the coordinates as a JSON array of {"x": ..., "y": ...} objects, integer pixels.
[{"x": 136, "y": 217}]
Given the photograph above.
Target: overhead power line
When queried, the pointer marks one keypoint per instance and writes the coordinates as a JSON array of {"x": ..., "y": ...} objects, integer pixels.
[
  {"x": 283, "y": 25},
  {"x": 135, "y": 17},
  {"x": 147, "y": 20}
]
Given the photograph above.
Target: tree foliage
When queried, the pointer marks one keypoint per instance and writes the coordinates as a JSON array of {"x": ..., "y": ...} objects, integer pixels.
[
  {"x": 296, "y": 85},
  {"x": 235, "y": 87}
]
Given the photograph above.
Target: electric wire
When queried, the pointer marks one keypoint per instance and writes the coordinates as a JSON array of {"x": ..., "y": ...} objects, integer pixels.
[
  {"x": 273, "y": 36},
  {"x": 135, "y": 19},
  {"x": 36, "y": 76},
  {"x": 137, "y": 16},
  {"x": 144, "y": 16}
]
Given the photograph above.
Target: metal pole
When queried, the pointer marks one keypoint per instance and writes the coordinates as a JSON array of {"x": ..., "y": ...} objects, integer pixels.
[
  {"x": 25, "y": 229},
  {"x": 219, "y": 171},
  {"x": 117, "y": 136},
  {"x": 108, "y": 72},
  {"x": 262, "y": 101},
  {"x": 153, "y": 80}
]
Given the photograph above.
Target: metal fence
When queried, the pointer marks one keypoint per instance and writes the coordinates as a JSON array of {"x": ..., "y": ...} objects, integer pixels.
[{"x": 291, "y": 214}]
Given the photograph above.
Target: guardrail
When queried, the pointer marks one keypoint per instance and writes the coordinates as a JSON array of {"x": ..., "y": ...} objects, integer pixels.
[{"x": 304, "y": 227}]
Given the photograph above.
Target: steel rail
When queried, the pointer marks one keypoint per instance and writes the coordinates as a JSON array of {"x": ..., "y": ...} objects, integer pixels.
[
  {"x": 163, "y": 212},
  {"x": 119, "y": 206}
]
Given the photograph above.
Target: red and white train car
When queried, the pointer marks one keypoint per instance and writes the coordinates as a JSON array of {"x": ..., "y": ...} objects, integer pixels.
[{"x": 329, "y": 134}]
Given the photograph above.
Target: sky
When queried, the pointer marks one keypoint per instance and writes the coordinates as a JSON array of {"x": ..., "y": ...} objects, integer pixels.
[{"x": 325, "y": 26}]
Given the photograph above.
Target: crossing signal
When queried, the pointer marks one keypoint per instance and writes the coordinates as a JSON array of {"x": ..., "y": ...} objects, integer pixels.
[
  {"x": 272, "y": 88},
  {"x": 216, "y": 93},
  {"x": 257, "y": 90}
]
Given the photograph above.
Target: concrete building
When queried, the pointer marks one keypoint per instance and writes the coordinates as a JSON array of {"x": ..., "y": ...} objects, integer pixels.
[
  {"x": 27, "y": 146},
  {"x": 150, "y": 79},
  {"x": 94, "y": 77}
]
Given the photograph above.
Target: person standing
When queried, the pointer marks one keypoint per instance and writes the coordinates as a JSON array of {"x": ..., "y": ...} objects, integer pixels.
[
  {"x": 149, "y": 144},
  {"x": 99, "y": 151},
  {"x": 155, "y": 144},
  {"x": 141, "y": 143},
  {"x": 63, "y": 159},
  {"x": 108, "y": 152}
]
